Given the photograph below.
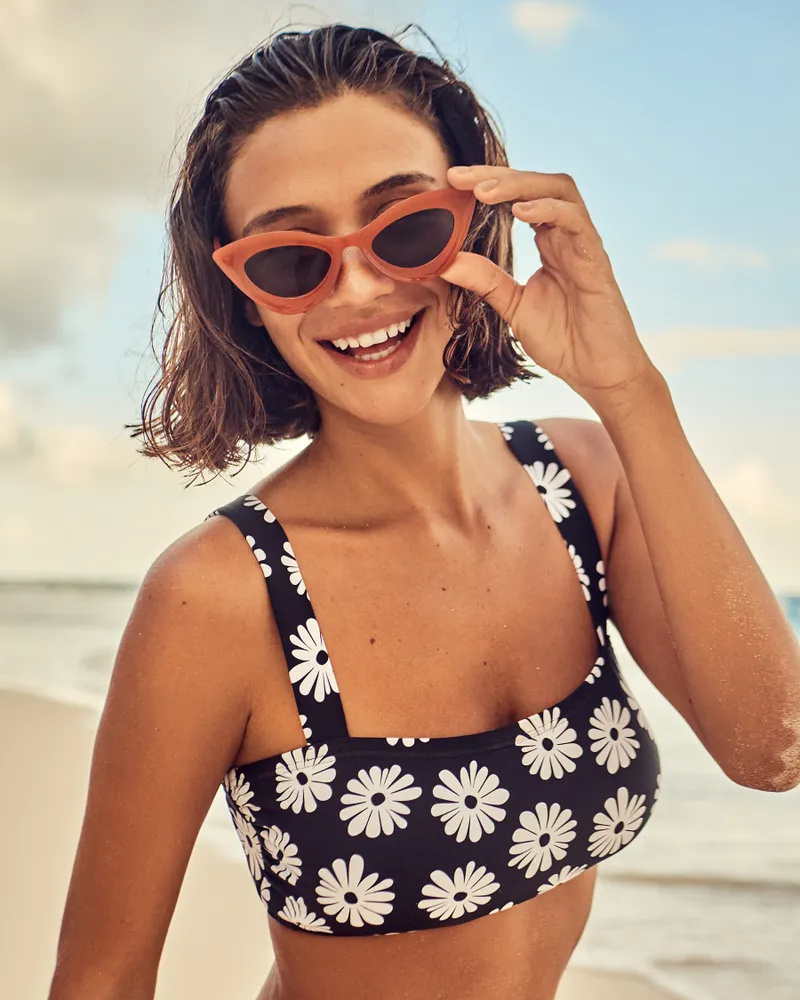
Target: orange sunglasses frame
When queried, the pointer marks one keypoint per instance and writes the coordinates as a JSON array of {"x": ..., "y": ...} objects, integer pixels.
[{"x": 232, "y": 257}]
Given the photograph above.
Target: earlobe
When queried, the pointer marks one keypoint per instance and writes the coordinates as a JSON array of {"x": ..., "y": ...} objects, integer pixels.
[{"x": 252, "y": 314}]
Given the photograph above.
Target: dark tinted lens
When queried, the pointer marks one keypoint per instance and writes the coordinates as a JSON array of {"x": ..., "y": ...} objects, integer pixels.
[
  {"x": 288, "y": 271},
  {"x": 415, "y": 239}
]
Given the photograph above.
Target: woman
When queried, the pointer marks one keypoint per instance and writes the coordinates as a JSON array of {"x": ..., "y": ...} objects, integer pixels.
[{"x": 441, "y": 748}]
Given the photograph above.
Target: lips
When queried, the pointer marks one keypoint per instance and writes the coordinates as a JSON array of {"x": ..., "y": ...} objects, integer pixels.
[
  {"x": 380, "y": 367},
  {"x": 356, "y": 352}
]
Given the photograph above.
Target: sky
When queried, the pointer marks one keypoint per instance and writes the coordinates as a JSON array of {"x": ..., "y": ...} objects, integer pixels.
[{"x": 678, "y": 122}]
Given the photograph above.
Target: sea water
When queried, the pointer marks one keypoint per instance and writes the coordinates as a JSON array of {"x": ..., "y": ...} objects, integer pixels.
[{"x": 706, "y": 901}]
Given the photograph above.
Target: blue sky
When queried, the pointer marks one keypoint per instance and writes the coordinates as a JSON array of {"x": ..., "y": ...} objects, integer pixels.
[{"x": 677, "y": 121}]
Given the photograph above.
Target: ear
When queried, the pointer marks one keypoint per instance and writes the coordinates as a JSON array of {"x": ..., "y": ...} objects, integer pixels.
[{"x": 252, "y": 314}]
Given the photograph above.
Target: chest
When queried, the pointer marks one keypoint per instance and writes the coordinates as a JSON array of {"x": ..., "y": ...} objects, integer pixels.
[{"x": 431, "y": 634}]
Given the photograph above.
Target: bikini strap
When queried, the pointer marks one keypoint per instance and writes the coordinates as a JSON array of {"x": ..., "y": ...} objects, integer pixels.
[
  {"x": 561, "y": 496},
  {"x": 314, "y": 684}
]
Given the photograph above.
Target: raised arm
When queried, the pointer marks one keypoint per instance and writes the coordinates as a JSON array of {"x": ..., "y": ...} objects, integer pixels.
[{"x": 173, "y": 721}]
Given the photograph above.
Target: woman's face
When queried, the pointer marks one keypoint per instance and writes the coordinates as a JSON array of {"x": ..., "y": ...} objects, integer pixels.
[{"x": 325, "y": 158}]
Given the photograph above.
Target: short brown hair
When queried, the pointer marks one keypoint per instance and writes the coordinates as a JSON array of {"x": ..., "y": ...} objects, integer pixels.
[{"x": 222, "y": 384}]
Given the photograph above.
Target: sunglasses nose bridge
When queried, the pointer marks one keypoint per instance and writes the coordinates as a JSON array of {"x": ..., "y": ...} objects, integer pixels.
[{"x": 356, "y": 255}]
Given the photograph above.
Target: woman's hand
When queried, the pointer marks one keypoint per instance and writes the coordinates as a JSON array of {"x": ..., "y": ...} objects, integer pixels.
[{"x": 569, "y": 317}]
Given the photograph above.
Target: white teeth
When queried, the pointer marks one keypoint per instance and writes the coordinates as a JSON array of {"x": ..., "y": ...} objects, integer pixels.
[
  {"x": 376, "y": 356},
  {"x": 378, "y": 337}
]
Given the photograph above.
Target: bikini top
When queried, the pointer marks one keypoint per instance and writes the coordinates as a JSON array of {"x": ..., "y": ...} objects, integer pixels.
[{"x": 355, "y": 835}]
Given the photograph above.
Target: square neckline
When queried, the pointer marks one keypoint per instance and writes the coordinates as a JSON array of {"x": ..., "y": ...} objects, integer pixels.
[{"x": 495, "y": 738}]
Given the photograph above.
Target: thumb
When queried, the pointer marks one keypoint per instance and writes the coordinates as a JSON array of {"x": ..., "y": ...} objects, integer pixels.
[{"x": 486, "y": 279}]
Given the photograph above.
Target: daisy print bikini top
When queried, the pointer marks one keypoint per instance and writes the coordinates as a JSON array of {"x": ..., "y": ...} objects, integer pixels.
[{"x": 371, "y": 835}]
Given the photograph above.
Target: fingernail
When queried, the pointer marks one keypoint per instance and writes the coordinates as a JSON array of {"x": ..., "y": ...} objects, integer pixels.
[
  {"x": 487, "y": 185},
  {"x": 460, "y": 170}
]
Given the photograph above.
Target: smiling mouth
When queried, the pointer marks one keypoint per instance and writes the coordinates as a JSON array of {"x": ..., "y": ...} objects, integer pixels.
[{"x": 375, "y": 352}]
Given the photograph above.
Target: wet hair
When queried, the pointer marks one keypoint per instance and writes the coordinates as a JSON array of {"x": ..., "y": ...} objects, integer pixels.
[{"x": 222, "y": 387}]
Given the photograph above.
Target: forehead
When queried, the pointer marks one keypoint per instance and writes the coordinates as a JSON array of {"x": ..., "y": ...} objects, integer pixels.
[{"x": 328, "y": 155}]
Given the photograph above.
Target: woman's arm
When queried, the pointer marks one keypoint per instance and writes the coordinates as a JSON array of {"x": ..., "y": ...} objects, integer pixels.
[
  {"x": 690, "y": 600},
  {"x": 173, "y": 721}
]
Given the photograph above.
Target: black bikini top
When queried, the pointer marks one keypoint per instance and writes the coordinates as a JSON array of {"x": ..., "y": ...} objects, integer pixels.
[{"x": 371, "y": 835}]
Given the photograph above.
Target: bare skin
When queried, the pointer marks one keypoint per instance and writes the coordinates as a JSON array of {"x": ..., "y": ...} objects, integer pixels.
[
  {"x": 414, "y": 527},
  {"x": 479, "y": 656}
]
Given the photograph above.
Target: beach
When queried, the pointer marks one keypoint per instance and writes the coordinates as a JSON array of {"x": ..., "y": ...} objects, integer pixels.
[
  {"x": 704, "y": 906},
  {"x": 218, "y": 943}
]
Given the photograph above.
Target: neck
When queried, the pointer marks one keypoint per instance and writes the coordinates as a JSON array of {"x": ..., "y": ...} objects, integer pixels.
[{"x": 432, "y": 467}]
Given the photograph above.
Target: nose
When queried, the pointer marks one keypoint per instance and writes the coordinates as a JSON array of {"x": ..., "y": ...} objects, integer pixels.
[{"x": 359, "y": 281}]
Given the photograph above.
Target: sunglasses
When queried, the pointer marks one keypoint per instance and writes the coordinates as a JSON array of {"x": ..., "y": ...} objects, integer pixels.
[{"x": 291, "y": 272}]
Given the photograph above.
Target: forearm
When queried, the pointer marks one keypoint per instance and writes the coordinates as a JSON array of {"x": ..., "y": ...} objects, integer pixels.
[
  {"x": 98, "y": 983},
  {"x": 739, "y": 657}
]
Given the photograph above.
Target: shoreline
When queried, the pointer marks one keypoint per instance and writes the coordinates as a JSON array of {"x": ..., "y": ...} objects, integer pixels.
[{"x": 47, "y": 745}]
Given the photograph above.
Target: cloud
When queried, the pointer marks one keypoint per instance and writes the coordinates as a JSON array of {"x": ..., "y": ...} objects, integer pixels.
[
  {"x": 752, "y": 490},
  {"x": 78, "y": 453},
  {"x": 58, "y": 454},
  {"x": 95, "y": 95},
  {"x": 546, "y": 23},
  {"x": 79, "y": 501},
  {"x": 674, "y": 346},
  {"x": 710, "y": 258}
]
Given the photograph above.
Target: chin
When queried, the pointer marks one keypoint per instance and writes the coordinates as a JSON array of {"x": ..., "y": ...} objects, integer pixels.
[{"x": 380, "y": 406}]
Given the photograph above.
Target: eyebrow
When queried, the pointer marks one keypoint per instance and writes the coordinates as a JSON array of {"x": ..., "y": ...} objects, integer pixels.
[{"x": 388, "y": 184}]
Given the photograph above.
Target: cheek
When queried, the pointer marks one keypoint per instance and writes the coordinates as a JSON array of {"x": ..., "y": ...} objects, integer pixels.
[
  {"x": 282, "y": 330},
  {"x": 442, "y": 290}
]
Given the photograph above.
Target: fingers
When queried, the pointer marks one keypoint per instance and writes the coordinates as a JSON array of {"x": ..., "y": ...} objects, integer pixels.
[
  {"x": 550, "y": 211},
  {"x": 486, "y": 279},
  {"x": 514, "y": 185}
]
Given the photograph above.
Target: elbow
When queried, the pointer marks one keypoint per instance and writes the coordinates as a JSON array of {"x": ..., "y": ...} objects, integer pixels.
[
  {"x": 778, "y": 771},
  {"x": 777, "y": 782}
]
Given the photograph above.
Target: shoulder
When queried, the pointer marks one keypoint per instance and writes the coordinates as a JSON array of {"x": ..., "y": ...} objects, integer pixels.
[
  {"x": 586, "y": 450},
  {"x": 207, "y": 580},
  {"x": 210, "y": 562}
]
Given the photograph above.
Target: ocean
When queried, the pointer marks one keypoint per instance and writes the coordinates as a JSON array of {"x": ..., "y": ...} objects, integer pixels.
[{"x": 706, "y": 902}]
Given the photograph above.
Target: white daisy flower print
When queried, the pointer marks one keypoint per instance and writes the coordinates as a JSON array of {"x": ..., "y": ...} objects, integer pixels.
[
  {"x": 450, "y": 898},
  {"x": 240, "y": 793},
  {"x": 265, "y": 891},
  {"x": 601, "y": 583},
  {"x": 641, "y": 718},
  {"x": 295, "y": 576},
  {"x": 256, "y": 504},
  {"x": 306, "y": 729},
  {"x": 550, "y": 484},
  {"x": 506, "y": 430},
  {"x": 582, "y": 574},
  {"x": 250, "y": 843},
  {"x": 596, "y": 672},
  {"x": 294, "y": 911},
  {"x": 376, "y": 801},
  {"x": 542, "y": 438},
  {"x": 471, "y": 803},
  {"x": 407, "y": 741},
  {"x": 261, "y": 555},
  {"x": 303, "y": 777},
  {"x": 542, "y": 838},
  {"x": 500, "y": 909},
  {"x": 559, "y": 878},
  {"x": 347, "y": 895},
  {"x": 287, "y": 861},
  {"x": 618, "y": 824},
  {"x": 614, "y": 744},
  {"x": 314, "y": 670},
  {"x": 549, "y": 745},
  {"x": 600, "y": 636}
]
